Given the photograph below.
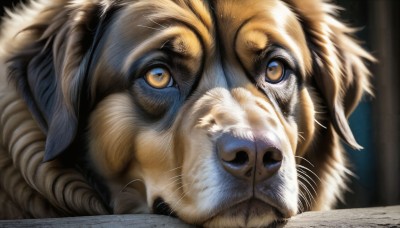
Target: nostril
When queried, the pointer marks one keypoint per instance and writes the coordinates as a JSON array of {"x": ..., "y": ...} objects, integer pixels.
[
  {"x": 272, "y": 157},
  {"x": 240, "y": 159},
  {"x": 237, "y": 155}
]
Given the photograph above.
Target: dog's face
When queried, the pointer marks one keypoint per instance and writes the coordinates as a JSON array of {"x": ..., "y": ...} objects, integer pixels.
[
  {"x": 205, "y": 110},
  {"x": 209, "y": 116}
]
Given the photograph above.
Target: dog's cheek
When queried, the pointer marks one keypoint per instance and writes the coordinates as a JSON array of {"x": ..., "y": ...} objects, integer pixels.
[
  {"x": 153, "y": 150},
  {"x": 154, "y": 154},
  {"x": 111, "y": 134},
  {"x": 305, "y": 116}
]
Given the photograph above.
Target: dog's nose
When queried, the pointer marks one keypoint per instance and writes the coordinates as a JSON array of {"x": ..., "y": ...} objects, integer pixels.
[{"x": 244, "y": 158}]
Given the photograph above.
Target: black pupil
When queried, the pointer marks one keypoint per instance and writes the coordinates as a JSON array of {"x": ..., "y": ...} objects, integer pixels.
[{"x": 159, "y": 72}]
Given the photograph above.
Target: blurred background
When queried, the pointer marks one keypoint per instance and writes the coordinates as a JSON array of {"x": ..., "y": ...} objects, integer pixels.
[{"x": 375, "y": 122}]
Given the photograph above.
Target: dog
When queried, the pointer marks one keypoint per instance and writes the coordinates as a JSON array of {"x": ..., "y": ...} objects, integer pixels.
[{"x": 221, "y": 113}]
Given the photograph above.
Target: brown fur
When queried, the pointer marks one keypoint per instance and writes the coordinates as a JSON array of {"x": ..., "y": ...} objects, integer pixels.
[{"x": 72, "y": 94}]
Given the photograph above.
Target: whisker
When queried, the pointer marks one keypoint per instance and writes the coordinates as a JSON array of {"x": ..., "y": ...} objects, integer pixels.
[
  {"x": 177, "y": 180},
  {"x": 175, "y": 177},
  {"x": 305, "y": 160},
  {"x": 308, "y": 193},
  {"x": 129, "y": 183},
  {"x": 300, "y": 202},
  {"x": 320, "y": 112},
  {"x": 306, "y": 201},
  {"x": 303, "y": 167},
  {"x": 162, "y": 46},
  {"x": 171, "y": 170},
  {"x": 304, "y": 179},
  {"x": 304, "y": 174},
  {"x": 182, "y": 195},
  {"x": 176, "y": 204},
  {"x": 316, "y": 121},
  {"x": 300, "y": 134}
]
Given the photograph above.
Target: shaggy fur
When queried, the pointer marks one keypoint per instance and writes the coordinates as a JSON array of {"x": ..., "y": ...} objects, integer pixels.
[{"x": 84, "y": 132}]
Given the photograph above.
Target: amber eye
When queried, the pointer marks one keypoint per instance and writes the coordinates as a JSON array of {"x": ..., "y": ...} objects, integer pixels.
[
  {"x": 275, "y": 71},
  {"x": 159, "y": 78}
]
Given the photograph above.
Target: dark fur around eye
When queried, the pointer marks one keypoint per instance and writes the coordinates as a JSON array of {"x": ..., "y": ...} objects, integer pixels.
[{"x": 283, "y": 91}]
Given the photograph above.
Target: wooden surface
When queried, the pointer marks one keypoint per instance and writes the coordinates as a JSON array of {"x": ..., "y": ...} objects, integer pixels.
[{"x": 365, "y": 217}]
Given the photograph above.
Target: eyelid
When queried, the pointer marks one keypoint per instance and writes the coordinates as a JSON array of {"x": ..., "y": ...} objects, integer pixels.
[
  {"x": 155, "y": 64},
  {"x": 139, "y": 67},
  {"x": 279, "y": 53}
]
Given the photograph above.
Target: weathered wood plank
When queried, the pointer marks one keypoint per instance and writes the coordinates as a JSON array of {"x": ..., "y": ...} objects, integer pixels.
[
  {"x": 363, "y": 217},
  {"x": 109, "y": 221}
]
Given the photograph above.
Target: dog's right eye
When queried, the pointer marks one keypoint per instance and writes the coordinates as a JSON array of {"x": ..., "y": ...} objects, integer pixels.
[
  {"x": 275, "y": 71},
  {"x": 159, "y": 78}
]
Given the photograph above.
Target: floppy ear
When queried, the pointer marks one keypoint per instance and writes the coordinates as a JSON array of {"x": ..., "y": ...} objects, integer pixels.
[
  {"x": 339, "y": 69},
  {"x": 50, "y": 70}
]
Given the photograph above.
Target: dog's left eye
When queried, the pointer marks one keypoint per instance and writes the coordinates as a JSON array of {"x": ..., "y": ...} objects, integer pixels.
[
  {"x": 159, "y": 78},
  {"x": 275, "y": 71}
]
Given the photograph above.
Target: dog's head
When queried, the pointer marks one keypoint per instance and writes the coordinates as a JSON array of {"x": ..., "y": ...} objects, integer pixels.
[{"x": 211, "y": 111}]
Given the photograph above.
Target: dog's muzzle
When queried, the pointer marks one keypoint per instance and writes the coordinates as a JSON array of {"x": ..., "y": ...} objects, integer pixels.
[{"x": 254, "y": 160}]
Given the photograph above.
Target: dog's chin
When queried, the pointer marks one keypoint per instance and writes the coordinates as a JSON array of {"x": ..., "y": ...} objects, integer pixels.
[{"x": 250, "y": 213}]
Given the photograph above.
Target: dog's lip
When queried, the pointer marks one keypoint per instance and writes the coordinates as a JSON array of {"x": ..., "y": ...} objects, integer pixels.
[{"x": 243, "y": 206}]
